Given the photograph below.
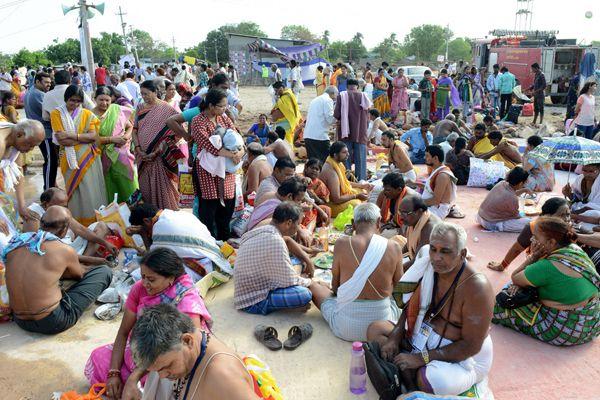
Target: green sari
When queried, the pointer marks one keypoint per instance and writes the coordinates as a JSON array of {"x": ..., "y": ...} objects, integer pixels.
[{"x": 118, "y": 163}]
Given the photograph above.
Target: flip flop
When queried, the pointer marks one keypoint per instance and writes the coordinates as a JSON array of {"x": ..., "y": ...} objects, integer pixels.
[
  {"x": 297, "y": 335},
  {"x": 455, "y": 213},
  {"x": 267, "y": 335}
]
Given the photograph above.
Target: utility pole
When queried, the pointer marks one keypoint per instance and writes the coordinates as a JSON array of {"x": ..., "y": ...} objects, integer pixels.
[
  {"x": 134, "y": 45},
  {"x": 87, "y": 56},
  {"x": 174, "y": 49},
  {"x": 447, "y": 38},
  {"x": 216, "y": 52},
  {"x": 123, "y": 25}
]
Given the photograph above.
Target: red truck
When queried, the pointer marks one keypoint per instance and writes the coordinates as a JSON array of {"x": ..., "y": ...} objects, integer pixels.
[{"x": 559, "y": 58}]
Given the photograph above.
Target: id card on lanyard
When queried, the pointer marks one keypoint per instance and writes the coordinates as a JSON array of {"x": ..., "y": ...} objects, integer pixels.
[{"x": 420, "y": 338}]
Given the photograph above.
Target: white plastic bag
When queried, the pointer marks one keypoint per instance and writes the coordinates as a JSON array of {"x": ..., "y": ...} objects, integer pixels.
[{"x": 485, "y": 172}]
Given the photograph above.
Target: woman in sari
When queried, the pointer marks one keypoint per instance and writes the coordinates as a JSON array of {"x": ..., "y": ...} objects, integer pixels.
[
  {"x": 155, "y": 150},
  {"x": 541, "y": 174},
  {"x": 116, "y": 97},
  {"x": 76, "y": 131},
  {"x": 319, "y": 80},
  {"x": 478, "y": 95},
  {"x": 118, "y": 163},
  {"x": 459, "y": 161},
  {"x": 465, "y": 91},
  {"x": 216, "y": 195},
  {"x": 568, "y": 310},
  {"x": 286, "y": 112},
  {"x": 8, "y": 112},
  {"x": 172, "y": 98},
  {"x": 380, "y": 97},
  {"x": 164, "y": 281},
  {"x": 400, "y": 94}
]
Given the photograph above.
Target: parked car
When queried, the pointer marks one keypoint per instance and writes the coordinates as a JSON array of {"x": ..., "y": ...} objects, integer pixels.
[{"x": 415, "y": 72}]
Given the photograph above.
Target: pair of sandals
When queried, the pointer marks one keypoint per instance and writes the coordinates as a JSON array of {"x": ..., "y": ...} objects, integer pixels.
[{"x": 297, "y": 335}]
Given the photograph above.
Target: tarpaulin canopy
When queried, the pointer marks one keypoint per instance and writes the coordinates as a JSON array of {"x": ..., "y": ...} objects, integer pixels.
[
  {"x": 261, "y": 45},
  {"x": 298, "y": 53}
]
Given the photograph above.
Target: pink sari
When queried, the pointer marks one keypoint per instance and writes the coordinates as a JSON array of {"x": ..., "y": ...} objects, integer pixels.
[
  {"x": 400, "y": 95},
  {"x": 181, "y": 293}
]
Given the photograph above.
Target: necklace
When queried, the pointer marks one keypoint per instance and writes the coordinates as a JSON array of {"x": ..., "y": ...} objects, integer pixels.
[{"x": 187, "y": 381}]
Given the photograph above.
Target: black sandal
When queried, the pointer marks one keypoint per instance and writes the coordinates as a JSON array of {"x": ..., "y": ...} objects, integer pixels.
[
  {"x": 297, "y": 335},
  {"x": 267, "y": 335}
]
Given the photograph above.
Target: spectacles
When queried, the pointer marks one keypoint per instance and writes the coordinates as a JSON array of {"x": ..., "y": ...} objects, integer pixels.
[{"x": 407, "y": 213}]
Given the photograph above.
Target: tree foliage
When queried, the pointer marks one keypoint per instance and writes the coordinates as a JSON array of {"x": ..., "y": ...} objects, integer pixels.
[
  {"x": 458, "y": 49},
  {"x": 25, "y": 57},
  {"x": 108, "y": 48},
  {"x": 298, "y": 32},
  {"x": 63, "y": 52},
  {"x": 390, "y": 49},
  {"x": 356, "y": 48},
  {"x": 424, "y": 41},
  {"x": 337, "y": 51}
]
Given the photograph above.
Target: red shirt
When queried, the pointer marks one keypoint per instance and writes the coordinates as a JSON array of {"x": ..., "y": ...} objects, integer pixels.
[
  {"x": 202, "y": 128},
  {"x": 100, "y": 73}
]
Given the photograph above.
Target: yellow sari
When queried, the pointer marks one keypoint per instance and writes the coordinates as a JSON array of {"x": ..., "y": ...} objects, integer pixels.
[
  {"x": 320, "y": 83},
  {"x": 85, "y": 186},
  {"x": 345, "y": 188},
  {"x": 485, "y": 146},
  {"x": 288, "y": 105}
]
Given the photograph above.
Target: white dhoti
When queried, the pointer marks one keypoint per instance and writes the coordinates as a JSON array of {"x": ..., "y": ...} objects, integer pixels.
[
  {"x": 351, "y": 322},
  {"x": 441, "y": 210},
  {"x": 410, "y": 175}
]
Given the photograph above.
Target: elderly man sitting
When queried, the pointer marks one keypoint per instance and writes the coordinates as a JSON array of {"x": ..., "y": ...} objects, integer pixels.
[
  {"x": 445, "y": 127},
  {"x": 264, "y": 278},
  {"x": 181, "y": 232},
  {"x": 398, "y": 156},
  {"x": 85, "y": 241},
  {"x": 366, "y": 267},
  {"x": 388, "y": 201},
  {"x": 439, "y": 192},
  {"x": 35, "y": 263},
  {"x": 258, "y": 169},
  {"x": 343, "y": 193},
  {"x": 419, "y": 223},
  {"x": 441, "y": 342}
]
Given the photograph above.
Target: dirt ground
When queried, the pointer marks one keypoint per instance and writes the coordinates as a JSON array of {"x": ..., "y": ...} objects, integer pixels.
[{"x": 33, "y": 366}]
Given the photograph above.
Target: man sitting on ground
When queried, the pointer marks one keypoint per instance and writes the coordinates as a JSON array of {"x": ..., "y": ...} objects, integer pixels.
[
  {"x": 284, "y": 168},
  {"x": 181, "y": 232},
  {"x": 258, "y": 169},
  {"x": 166, "y": 343},
  {"x": 343, "y": 193},
  {"x": 35, "y": 264},
  {"x": 480, "y": 144},
  {"x": 388, "y": 201},
  {"x": 490, "y": 126},
  {"x": 85, "y": 241},
  {"x": 500, "y": 209},
  {"x": 398, "y": 156},
  {"x": 507, "y": 152},
  {"x": 366, "y": 267},
  {"x": 439, "y": 192},
  {"x": 419, "y": 224},
  {"x": 441, "y": 342},
  {"x": 445, "y": 127},
  {"x": 264, "y": 278},
  {"x": 417, "y": 140},
  {"x": 277, "y": 147}
]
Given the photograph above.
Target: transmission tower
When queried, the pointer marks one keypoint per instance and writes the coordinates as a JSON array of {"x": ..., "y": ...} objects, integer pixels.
[{"x": 524, "y": 15}]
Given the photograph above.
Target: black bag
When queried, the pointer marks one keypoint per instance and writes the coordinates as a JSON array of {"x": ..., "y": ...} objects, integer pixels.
[
  {"x": 523, "y": 297},
  {"x": 384, "y": 375}
]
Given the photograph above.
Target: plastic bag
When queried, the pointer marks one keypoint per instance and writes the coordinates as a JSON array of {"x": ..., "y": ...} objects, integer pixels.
[
  {"x": 116, "y": 216},
  {"x": 483, "y": 172},
  {"x": 186, "y": 187},
  {"x": 95, "y": 393},
  {"x": 240, "y": 222},
  {"x": 344, "y": 218}
]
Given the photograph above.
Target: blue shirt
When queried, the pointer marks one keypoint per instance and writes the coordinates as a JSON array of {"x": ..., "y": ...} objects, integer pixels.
[
  {"x": 33, "y": 108},
  {"x": 261, "y": 133},
  {"x": 416, "y": 139},
  {"x": 506, "y": 83}
]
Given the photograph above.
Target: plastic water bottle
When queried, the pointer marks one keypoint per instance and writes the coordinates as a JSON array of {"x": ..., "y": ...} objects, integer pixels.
[{"x": 358, "y": 370}]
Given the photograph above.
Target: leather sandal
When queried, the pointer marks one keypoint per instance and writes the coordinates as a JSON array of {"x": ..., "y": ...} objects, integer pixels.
[
  {"x": 267, "y": 335},
  {"x": 297, "y": 335}
]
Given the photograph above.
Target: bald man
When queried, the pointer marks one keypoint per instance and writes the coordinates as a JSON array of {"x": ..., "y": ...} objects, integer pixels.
[
  {"x": 258, "y": 169},
  {"x": 35, "y": 263},
  {"x": 14, "y": 140}
]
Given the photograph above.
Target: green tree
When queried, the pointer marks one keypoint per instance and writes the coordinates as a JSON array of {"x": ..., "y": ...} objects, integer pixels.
[
  {"x": 244, "y": 28},
  {"x": 29, "y": 58},
  {"x": 325, "y": 38},
  {"x": 298, "y": 32},
  {"x": 424, "y": 41},
  {"x": 390, "y": 49},
  {"x": 458, "y": 49},
  {"x": 67, "y": 51},
  {"x": 144, "y": 43},
  {"x": 108, "y": 48},
  {"x": 215, "y": 46},
  {"x": 5, "y": 61},
  {"x": 356, "y": 48},
  {"x": 337, "y": 51}
]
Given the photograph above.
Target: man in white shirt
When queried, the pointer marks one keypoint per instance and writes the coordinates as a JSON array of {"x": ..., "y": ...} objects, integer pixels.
[
  {"x": 295, "y": 78},
  {"x": 5, "y": 80},
  {"x": 184, "y": 76},
  {"x": 318, "y": 121},
  {"x": 56, "y": 97},
  {"x": 132, "y": 87}
]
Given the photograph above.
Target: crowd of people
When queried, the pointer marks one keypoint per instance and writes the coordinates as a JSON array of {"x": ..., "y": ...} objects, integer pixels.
[{"x": 401, "y": 275}]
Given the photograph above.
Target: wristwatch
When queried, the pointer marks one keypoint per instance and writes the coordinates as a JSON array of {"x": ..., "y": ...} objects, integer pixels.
[{"x": 425, "y": 356}]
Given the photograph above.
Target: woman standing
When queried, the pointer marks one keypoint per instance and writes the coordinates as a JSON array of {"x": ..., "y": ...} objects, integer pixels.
[
  {"x": 217, "y": 195},
  {"x": 118, "y": 163},
  {"x": 75, "y": 129},
  {"x": 380, "y": 97},
  {"x": 585, "y": 116},
  {"x": 156, "y": 152},
  {"x": 172, "y": 98},
  {"x": 465, "y": 89},
  {"x": 319, "y": 80},
  {"x": 400, "y": 94}
]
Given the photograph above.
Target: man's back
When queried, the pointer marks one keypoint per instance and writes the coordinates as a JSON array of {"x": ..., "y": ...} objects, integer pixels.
[
  {"x": 349, "y": 251},
  {"x": 32, "y": 280},
  {"x": 444, "y": 127},
  {"x": 358, "y": 118}
]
